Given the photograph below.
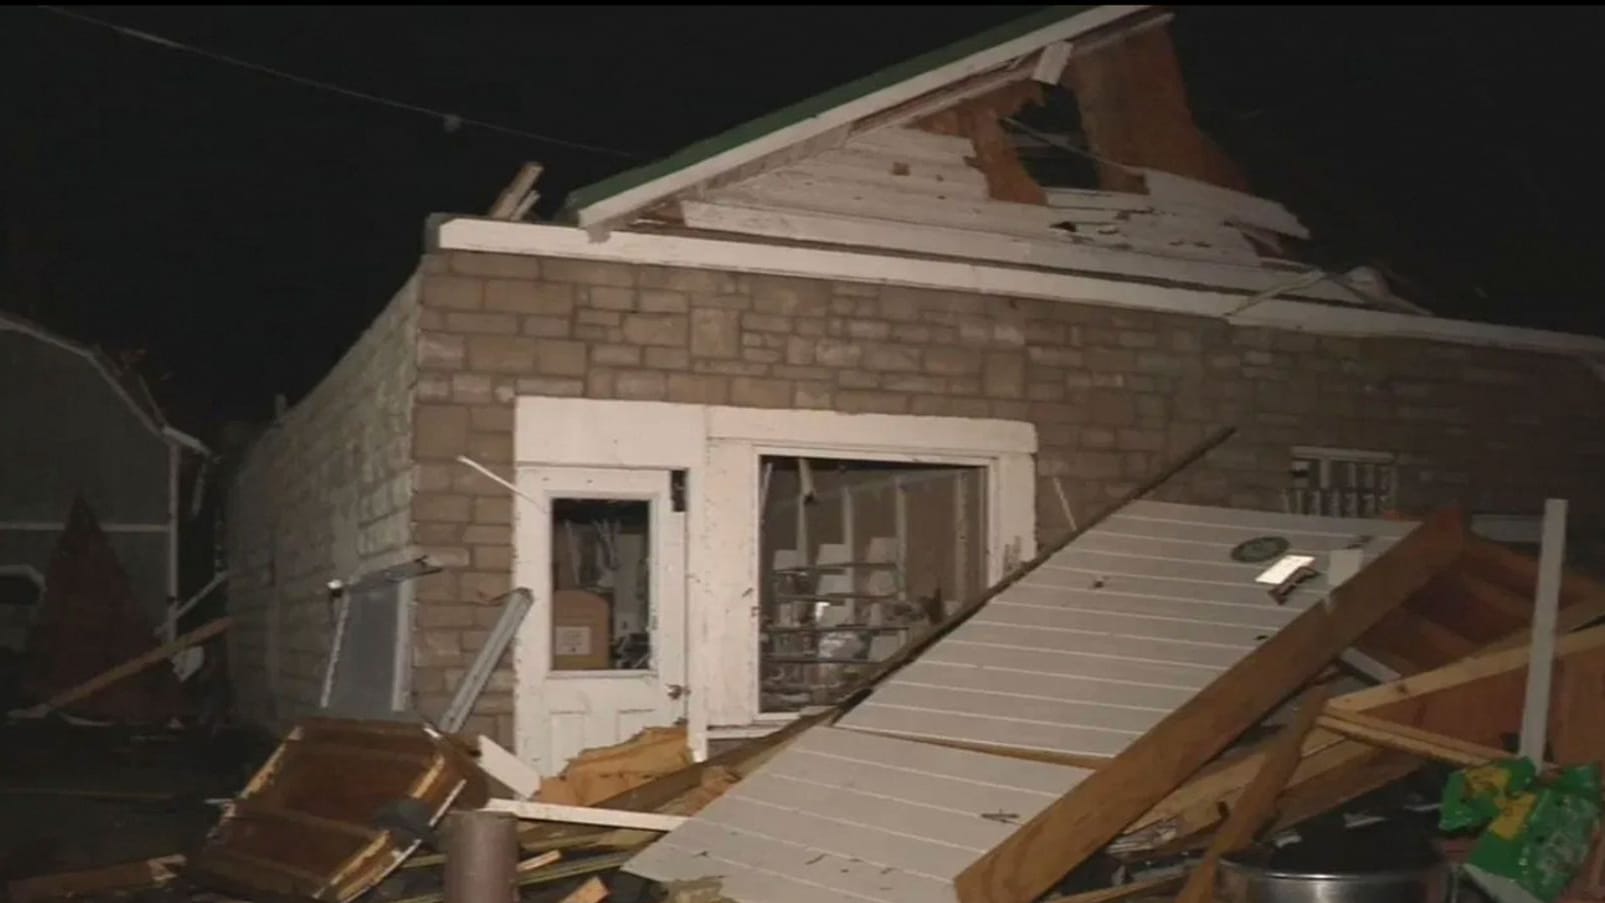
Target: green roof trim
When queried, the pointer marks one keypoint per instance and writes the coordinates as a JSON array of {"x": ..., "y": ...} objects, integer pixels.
[{"x": 814, "y": 106}]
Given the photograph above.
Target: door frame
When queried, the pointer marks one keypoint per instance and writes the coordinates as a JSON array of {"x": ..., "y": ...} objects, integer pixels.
[{"x": 720, "y": 448}]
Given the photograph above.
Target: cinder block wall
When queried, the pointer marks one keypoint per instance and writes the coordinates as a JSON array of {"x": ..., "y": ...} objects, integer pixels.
[
  {"x": 326, "y": 492},
  {"x": 1114, "y": 394}
]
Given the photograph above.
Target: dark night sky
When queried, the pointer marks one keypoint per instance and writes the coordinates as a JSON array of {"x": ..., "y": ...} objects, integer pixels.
[{"x": 244, "y": 229}]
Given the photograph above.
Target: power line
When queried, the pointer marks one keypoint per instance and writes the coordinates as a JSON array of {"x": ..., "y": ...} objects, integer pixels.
[{"x": 452, "y": 120}]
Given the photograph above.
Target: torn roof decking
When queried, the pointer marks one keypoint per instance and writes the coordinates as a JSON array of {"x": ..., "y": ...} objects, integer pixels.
[
  {"x": 856, "y": 817},
  {"x": 782, "y": 131},
  {"x": 1111, "y": 634}
]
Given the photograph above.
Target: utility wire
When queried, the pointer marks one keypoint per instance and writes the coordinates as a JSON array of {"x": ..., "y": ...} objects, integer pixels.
[{"x": 451, "y": 119}]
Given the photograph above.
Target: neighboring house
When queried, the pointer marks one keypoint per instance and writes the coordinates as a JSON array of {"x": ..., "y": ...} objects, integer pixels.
[
  {"x": 782, "y": 399},
  {"x": 78, "y": 425}
]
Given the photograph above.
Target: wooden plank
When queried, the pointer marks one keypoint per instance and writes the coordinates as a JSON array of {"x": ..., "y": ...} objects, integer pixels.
[
  {"x": 1576, "y": 730},
  {"x": 1004, "y": 611},
  {"x": 1426, "y": 744},
  {"x": 1092, "y": 813},
  {"x": 1018, "y": 682},
  {"x": 1320, "y": 534},
  {"x": 586, "y": 815},
  {"x": 1179, "y": 608},
  {"x": 1256, "y": 806},
  {"x": 251, "y": 808},
  {"x": 127, "y": 669},
  {"x": 1475, "y": 668},
  {"x": 592, "y": 891},
  {"x": 1241, "y": 593},
  {"x": 1204, "y": 656},
  {"x": 1541, "y": 667},
  {"x": 1269, "y": 522},
  {"x": 510, "y": 770},
  {"x": 980, "y": 730},
  {"x": 1408, "y": 642},
  {"x": 906, "y": 784},
  {"x": 1127, "y": 536},
  {"x": 1036, "y": 709},
  {"x": 957, "y": 651},
  {"x": 948, "y": 764},
  {"x": 124, "y": 876}
]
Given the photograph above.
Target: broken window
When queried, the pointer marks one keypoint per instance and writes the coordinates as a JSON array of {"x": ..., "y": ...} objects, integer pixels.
[
  {"x": 858, "y": 558},
  {"x": 601, "y": 584},
  {"x": 1337, "y": 482}
]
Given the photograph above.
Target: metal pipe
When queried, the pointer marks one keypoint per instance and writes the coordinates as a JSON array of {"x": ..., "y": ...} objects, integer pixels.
[{"x": 481, "y": 857}]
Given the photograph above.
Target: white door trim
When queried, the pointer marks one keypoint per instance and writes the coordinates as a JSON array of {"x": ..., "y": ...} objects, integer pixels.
[{"x": 719, "y": 447}]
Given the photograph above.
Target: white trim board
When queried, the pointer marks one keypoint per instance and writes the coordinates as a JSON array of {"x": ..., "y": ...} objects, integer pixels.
[
  {"x": 492, "y": 236},
  {"x": 630, "y": 200}
]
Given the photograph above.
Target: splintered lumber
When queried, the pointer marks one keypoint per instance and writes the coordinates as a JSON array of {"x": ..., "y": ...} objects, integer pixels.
[
  {"x": 555, "y": 872},
  {"x": 126, "y": 669},
  {"x": 1092, "y": 813},
  {"x": 1426, "y": 744},
  {"x": 1195, "y": 806},
  {"x": 1258, "y": 803},
  {"x": 587, "y": 815},
  {"x": 605, "y": 772},
  {"x": 592, "y": 891}
]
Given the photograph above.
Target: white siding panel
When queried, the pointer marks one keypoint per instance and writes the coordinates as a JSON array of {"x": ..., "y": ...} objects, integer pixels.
[
  {"x": 1111, "y": 633},
  {"x": 856, "y": 817}
]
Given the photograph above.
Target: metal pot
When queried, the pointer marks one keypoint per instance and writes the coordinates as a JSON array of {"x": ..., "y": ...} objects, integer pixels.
[{"x": 1237, "y": 881}]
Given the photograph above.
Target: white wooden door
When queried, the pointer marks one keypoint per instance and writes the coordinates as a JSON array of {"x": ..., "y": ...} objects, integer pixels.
[{"x": 578, "y": 707}]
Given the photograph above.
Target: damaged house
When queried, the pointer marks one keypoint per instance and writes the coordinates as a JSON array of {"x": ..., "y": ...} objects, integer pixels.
[
  {"x": 79, "y": 427},
  {"x": 749, "y": 419}
]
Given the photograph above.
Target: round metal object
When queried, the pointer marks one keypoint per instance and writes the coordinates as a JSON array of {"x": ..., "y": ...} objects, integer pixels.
[
  {"x": 1260, "y": 548},
  {"x": 1420, "y": 881}
]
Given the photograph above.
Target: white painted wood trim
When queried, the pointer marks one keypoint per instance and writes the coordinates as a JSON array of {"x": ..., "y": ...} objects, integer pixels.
[
  {"x": 466, "y": 234},
  {"x": 1050, "y": 64},
  {"x": 498, "y": 762},
  {"x": 1541, "y": 664},
  {"x": 626, "y": 202},
  {"x": 587, "y": 815}
]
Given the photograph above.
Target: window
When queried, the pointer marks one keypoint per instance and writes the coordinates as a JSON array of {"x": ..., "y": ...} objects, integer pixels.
[
  {"x": 601, "y": 605},
  {"x": 1338, "y": 482}
]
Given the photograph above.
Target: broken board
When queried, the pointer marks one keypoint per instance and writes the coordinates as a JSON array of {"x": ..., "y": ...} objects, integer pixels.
[{"x": 323, "y": 819}]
